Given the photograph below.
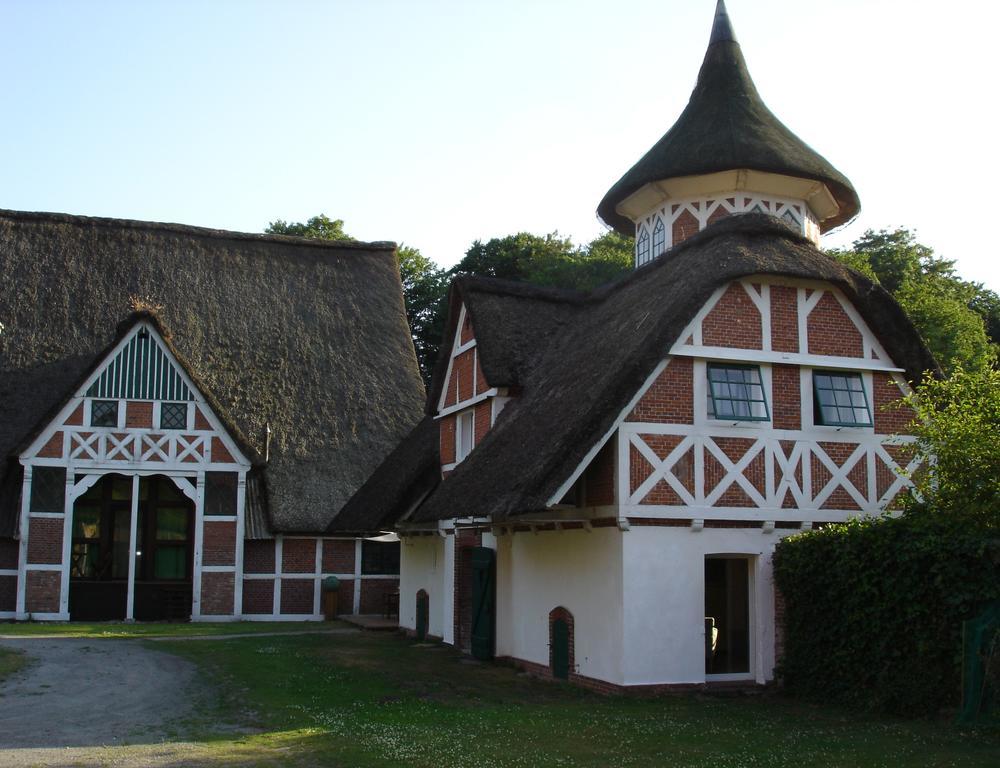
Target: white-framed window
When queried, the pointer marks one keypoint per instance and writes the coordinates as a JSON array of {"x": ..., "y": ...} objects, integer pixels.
[
  {"x": 659, "y": 238},
  {"x": 642, "y": 247},
  {"x": 465, "y": 432}
]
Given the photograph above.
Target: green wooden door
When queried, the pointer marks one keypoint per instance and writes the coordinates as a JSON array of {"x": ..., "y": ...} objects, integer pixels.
[
  {"x": 423, "y": 615},
  {"x": 483, "y": 562},
  {"x": 560, "y": 649}
]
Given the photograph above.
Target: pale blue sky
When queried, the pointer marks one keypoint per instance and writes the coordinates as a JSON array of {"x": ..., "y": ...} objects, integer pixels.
[{"x": 436, "y": 123}]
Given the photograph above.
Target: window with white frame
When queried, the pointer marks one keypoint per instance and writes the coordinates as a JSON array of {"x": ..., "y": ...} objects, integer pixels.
[
  {"x": 642, "y": 247},
  {"x": 464, "y": 434},
  {"x": 735, "y": 392},
  {"x": 659, "y": 238},
  {"x": 104, "y": 413},
  {"x": 840, "y": 400}
]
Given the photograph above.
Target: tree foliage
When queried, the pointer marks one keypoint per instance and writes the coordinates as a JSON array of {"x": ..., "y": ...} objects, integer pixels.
[
  {"x": 952, "y": 315},
  {"x": 318, "y": 227}
]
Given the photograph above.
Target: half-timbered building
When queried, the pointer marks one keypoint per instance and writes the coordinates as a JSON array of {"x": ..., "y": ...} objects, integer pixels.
[
  {"x": 612, "y": 470},
  {"x": 183, "y": 411}
]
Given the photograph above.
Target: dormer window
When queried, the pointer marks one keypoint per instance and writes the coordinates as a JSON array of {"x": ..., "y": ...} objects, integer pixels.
[
  {"x": 840, "y": 400},
  {"x": 735, "y": 393},
  {"x": 659, "y": 238},
  {"x": 642, "y": 247},
  {"x": 104, "y": 413}
]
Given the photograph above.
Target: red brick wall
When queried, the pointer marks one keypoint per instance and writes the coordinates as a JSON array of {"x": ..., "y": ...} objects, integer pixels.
[
  {"x": 733, "y": 322},
  {"x": 786, "y": 392},
  {"x": 219, "y": 543},
  {"x": 258, "y": 596},
  {"x": 200, "y": 422},
  {"x": 42, "y": 592},
  {"x": 345, "y": 597},
  {"x": 217, "y": 591},
  {"x": 684, "y": 226},
  {"x": 138, "y": 415},
  {"x": 298, "y": 556},
  {"x": 831, "y": 331},
  {"x": 76, "y": 418},
  {"x": 8, "y": 593},
  {"x": 296, "y": 595},
  {"x": 447, "y": 425},
  {"x": 338, "y": 556},
  {"x": 670, "y": 400},
  {"x": 784, "y": 319},
  {"x": 45, "y": 540},
  {"x": 889, "y": 419},
  {"x": 467, "y": 333},
  {"x": 599, "y": 479},
  {"x": 373, "y": 592},
  {"x": 258, "y": 556},
  {"x": 481, "y": 384},
  {"x": 53, "y": 449},
  {"x": 220, "y": 454},
  {"x": 482, "y": 420},
  {"x": 9, "y": 554},
  {"x": 462, "y": 372}
]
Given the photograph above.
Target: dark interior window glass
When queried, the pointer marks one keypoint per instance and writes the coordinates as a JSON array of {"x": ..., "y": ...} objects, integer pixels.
[
  {"x": 220, "y": 493},
  {"x": 381, "y": 558},
  {"x": 48, "y": 489},
  {"x": 104, "y": 413},
  {"x": 840, "y": 400},
  {"x": 735, "y": 392},
  {"x": 173, "y": 416}
]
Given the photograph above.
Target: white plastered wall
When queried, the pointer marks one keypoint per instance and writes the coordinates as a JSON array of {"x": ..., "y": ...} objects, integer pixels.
[
  {"x": 427, "y": 563},
  {"x": 578, "y": 570},
  {"x": 664, "y": 577}
]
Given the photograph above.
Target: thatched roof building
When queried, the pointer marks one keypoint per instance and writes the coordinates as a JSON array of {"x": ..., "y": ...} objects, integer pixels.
[{"x": 302, "y": 346}]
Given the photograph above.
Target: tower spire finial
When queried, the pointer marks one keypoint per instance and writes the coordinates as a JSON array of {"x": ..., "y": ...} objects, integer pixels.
[{"x": 722, "y": 29}]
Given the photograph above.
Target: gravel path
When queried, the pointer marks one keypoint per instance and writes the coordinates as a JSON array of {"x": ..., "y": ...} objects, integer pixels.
[{"x": 89, "y": 693}]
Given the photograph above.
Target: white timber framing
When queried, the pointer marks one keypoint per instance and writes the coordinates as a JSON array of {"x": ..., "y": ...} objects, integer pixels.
[{"x": 88, "y": 453}]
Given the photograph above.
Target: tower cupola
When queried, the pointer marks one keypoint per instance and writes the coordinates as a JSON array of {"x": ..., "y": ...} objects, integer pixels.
[{"x": 726, "y": 154}]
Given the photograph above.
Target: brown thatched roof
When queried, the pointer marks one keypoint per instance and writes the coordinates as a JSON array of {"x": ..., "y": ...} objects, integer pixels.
[
  {"x": 726, "y": 126},
  {"x": 306, "y": 336},
  {"x": 587, "y": 372}
]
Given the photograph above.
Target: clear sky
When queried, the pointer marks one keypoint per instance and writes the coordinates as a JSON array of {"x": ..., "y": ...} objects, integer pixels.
[{"x": 437, "y": 123}]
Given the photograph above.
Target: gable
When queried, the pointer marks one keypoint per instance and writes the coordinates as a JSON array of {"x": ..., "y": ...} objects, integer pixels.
[{"x": 141, "y": 370}]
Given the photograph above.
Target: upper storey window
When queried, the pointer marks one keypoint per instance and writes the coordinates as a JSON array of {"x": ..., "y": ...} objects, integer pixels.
[
  {"x": 104, "y": 413},
  {"x": 659, "y": 238},
  {"x": 642, "y": 247},
  {"x": 173, "y": 415},
  {"x": 464, "y": 434},
  {"x": 735, "y": 392},
  {"x": 840, "y": 400}
]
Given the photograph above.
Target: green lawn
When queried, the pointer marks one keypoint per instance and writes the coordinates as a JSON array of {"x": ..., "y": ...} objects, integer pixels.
[
  {"x": 378, "y": 700},
  {"x": 153, "y": 629}
]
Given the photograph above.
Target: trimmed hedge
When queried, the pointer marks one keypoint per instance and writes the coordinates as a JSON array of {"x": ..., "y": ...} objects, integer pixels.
[{"x": 873, "y": 610}]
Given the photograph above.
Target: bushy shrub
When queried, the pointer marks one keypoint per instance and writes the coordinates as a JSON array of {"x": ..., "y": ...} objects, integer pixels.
[{"x": 873, "y": 609}]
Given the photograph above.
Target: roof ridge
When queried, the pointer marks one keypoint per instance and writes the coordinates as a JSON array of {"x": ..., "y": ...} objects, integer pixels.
[{"x": 193, "y": 230}]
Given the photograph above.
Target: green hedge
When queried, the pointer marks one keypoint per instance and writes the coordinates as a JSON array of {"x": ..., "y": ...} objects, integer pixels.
[{"x": 873, "y": 610}]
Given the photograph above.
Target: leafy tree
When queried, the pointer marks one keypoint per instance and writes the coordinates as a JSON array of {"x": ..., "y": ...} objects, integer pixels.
[
  {"x": 424, "y": 284},
  {"x": 957, "y": 423},
  {"x": 948, "y": 312}
]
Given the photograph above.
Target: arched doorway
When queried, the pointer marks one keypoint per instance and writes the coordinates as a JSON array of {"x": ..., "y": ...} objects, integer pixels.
[{"x": 102, "y": 550}]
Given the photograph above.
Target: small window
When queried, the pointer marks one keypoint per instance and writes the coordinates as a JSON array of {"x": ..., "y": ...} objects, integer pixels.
[
  {"x": 735, "y": 393},
  {"x": 840, "y": 400},
  {"x": 173, "y": 416},
  {"x": 659, "y": 237},
  {"x": 220, "y": 493},
  {"x": 464, "y": 435},
  {"x": 104, "y": 413},
  {"x": 642, "y": 247},
  {"x": 380, "y": 558},
  {"x": 48, "y": 489}
]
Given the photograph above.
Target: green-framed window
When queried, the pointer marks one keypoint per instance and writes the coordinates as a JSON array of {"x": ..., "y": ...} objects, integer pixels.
[
  {"x": 840, "y": 400},
  {"x": 735, "y": 392}
]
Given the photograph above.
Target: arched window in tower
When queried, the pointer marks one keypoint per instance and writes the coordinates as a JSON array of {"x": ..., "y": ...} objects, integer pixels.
[
  {"x": 790, "y": 219},
  {"x": 642, "y": 247},
  {"x": 659, "y": 237}
]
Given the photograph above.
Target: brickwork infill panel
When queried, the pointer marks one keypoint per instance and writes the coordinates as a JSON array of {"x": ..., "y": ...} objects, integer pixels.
[
  {"x": 138, "y": 415},
  {"x": 784, "y": 318},
  {"x": 373, "y": 594},
  {"x": 890, "y": 417},
  {"x": 42, "y": 592},
  {"x": 831, "y": 331},
  {"x": 786, "y": 390},
  {"x": 258, "y": 596},
  {"x": 53, "y": 449},
  {"x": 297, "y": 596},
  {"x": 670, "y": 399},
  {"x": 9, "y": 553},
  {"x": 599, "y": 478},
  {"x": 45, "y": 540},
  {"x": 217, "y": 591},
  {"x": 298, "y": 556},
  {"x": 483, "y": 416},
  {"x": 219, "y": 543},
  {"x": 463, "y": 372},
  {"x": 8, "y": 593},
  {"x": 338, "y": 556},
  {"x": 258, "y": 556},
  {"x": 733, "y": 322},
  {"x": 447, "y": 448}
]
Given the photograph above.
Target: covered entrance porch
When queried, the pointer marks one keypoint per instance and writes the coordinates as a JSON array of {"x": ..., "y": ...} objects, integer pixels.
[{"x": 131, "y": 554}]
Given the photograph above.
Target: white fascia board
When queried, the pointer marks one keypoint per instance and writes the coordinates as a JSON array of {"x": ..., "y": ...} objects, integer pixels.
[
  {"x": 781, "y": 358},
  {"x": 467, "y": 403}
]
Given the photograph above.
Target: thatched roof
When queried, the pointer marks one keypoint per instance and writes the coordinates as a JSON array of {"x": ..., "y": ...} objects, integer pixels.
[
  {"x": 586, "y": 373},
  {"x": 309, "y": 337},
  {"x": 726, "y": 126}
]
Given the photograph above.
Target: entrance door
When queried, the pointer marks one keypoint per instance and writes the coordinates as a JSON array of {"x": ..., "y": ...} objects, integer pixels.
[
  {"x": 98, "y": 574},
  {"x": 164, "y": 551},
  {"x": 727, "y": 615},
  {"x": 483, "y": 561}
]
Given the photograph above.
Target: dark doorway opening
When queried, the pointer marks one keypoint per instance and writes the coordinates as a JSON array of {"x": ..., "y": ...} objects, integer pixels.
[
  {"x": 727, "y": 615},
  {"x": 483, "y": 561},
  {"x": 99, "y": 564},
  {"x": 423, "y": 615}
]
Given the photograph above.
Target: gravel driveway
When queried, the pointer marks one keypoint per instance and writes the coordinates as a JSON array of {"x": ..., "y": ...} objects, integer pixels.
[{"x": 87, "y": 693}]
